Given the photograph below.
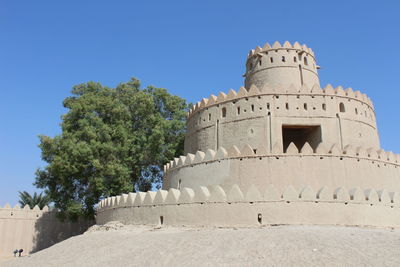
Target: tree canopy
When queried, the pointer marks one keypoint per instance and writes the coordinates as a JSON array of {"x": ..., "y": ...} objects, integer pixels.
[
  {"x": 113, "y": 141},
  {"x": 37, "y": 199}
]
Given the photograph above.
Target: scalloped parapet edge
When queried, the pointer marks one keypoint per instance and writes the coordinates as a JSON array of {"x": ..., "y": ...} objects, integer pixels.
[
  {"x": 235, "y": 194},
  {"x": 277, "y": 46},
  {"x": 232, "y": 95},
  {"x": 247, "y": 151},
  {"x": 7, "y": 206}
]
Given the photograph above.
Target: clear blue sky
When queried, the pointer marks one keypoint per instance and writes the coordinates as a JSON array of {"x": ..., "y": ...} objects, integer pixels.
[{"x": 192, "y": 48}]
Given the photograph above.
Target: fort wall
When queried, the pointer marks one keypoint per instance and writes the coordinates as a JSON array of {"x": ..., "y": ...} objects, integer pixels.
[
  {"x": 33, "y": 229},
  {"x": 254, "y": 157},
  {"x": 328, "y": 165},
  {"x": 255, "y": 118},
  {"x": 214, "y": 206}
]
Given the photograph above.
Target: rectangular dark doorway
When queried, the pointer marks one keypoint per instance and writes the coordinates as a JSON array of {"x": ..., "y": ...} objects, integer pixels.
[{"x": 300, "y": 134}]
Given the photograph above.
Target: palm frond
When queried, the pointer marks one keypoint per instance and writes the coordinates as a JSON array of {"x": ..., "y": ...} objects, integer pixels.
[{"x": 37, "y": 199}]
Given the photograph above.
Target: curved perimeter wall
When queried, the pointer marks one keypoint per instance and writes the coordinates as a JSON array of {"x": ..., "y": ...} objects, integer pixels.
[
  {"x": 33, "y": 229},
  {"x": 332, "y": 166},
  {"x": 214, "y": 206},
  {"x": 256, "y": 117}
]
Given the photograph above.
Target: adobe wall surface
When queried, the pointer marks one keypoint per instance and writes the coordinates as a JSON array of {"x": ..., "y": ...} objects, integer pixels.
[
  {"x": 256, "y": 117},
  {"x": 214, "y": 206},
  {"x": 281, "y": 65},
  {"x": 332, "y": 166},
  {"x": 33, "y": 229}
]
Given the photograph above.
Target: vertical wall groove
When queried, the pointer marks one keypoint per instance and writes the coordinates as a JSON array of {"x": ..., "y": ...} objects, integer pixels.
[
  {"x": 217, "y": 135},
  {"x": 340, "y": 131},
  {"x": 270, "y": 131},
  {"x": 301, "y": 75}
]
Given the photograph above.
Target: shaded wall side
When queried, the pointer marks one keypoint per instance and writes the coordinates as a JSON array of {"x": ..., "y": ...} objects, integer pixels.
[{"x": 33, "y": 230}]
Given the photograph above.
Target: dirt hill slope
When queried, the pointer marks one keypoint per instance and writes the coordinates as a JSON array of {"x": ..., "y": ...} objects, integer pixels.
[{"x": 118, "y": 245}]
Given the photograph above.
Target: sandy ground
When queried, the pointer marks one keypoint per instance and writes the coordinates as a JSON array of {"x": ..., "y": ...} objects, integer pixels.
[{"x": 117, "y": 245}]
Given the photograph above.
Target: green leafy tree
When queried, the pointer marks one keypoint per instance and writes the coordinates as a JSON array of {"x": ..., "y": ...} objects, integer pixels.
[
  {"x": 113, "y": 141},
  {"x": 37, "y": 199}
]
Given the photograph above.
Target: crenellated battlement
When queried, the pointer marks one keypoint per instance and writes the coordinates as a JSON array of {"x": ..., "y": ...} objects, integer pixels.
[
  {"x": 277, "y": 46},
  {"x": 233, "y": 96},
  {"x": 216, "y": 194},
  {"x": 323, "y": 150},
  {"x": 26, "y": 212},
  {"x": 234, "y": 206},
  {"x": 327, "y": 164}
]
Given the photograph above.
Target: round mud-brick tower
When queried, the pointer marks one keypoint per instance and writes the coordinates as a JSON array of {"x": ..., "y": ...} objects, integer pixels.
[
  {"x": 280, "y": 150},
  {"x": 281, "y": 103},
  {"x": 281, "y": 65}
]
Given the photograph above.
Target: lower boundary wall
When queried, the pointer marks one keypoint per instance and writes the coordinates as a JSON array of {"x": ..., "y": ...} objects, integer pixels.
[
  {"x": 214, "y": 207},
  {"x": 33, "y": 229}
]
